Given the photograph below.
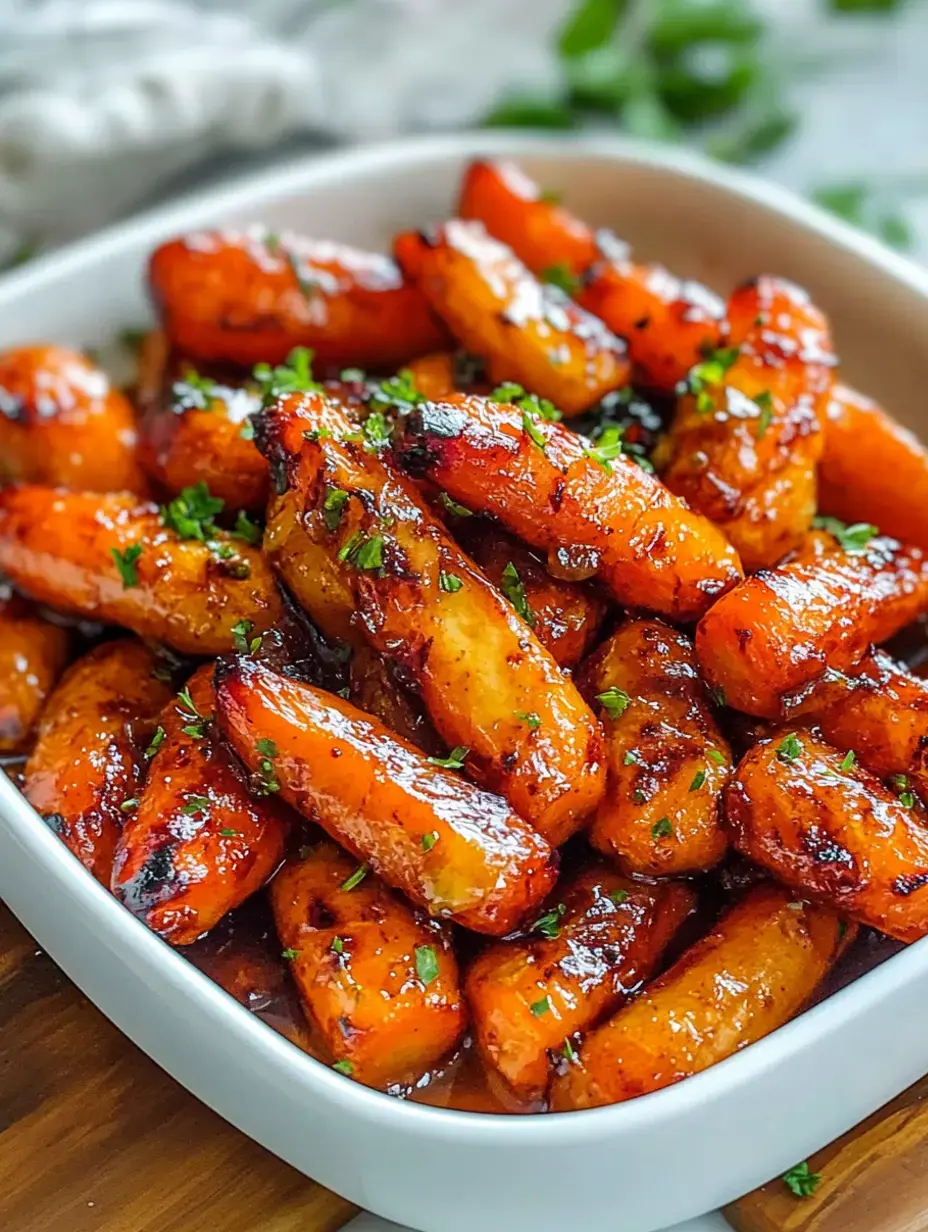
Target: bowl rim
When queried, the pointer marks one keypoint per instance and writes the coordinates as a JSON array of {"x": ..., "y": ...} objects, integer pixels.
[{"x": 292, "y": 178}]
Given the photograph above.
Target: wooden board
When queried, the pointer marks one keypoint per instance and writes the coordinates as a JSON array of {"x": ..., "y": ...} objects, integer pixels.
[{"x": 94, "y": 1137}]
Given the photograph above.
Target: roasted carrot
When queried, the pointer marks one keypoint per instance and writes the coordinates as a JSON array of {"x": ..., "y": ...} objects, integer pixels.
[
  {"x": 378, "y": 978},
  {"x": 110, "y": 557},
  {"x": 753, "y": 972},
  {"x": 599, "y": 939},
  {"x": 33, "y": 653},
  {"x": 374, "y": 689},
  {"x": 829, "y": 829},
  {"x": 873, "y": 469},
  {"x": 667, "y": 760},
  {"x": 86, "y": 769},
  {"x": 783, "y": 627},
  {"x": 565, "y": 616},
  {"x": 448, "y": 845},
  {"x": 252, "y": 296},
  {"x": 433, "y": 375},
  {"x": 485, "y": 680},
  {"x": 63, "y": 423},
  {"x": 594, "y": 514},
  {"x": 747, "y": 435},
  {"x": 195, "y": 429},
  {"x": 528, "y": 331},
  {"x": 199, "y": 842}
]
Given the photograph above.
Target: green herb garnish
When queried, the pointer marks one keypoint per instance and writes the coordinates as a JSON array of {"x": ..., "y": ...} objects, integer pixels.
[
  {"x": 449, "y": 582},
  {"x": 426, "y": 964},
  {"x": 789, "y": 748},
  {"x": 454, "y": 761},
  {"x": 549, "y": 924},
  {"x": 126, "y": 564},
  {"x": 662, "y": 828},
  {"x": 614, "y": 701},
  {"x": 356, "y": 877},
  {"x": 853, "y": 538},
  {"x": 800, "y": 1181},
  {"x": 512, "y": 587}
]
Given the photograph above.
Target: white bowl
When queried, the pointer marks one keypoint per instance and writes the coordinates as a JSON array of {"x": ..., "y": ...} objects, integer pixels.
[{"x": 639, "y": 1165}]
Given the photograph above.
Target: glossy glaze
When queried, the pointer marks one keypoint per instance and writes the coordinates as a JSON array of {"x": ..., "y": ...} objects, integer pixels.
[
  {"x": 58, "y": 546},
  {"x": 598, "y": 939},
  {"x": 198, "y": 432},
  {"x": 448, "y": 845},
  {"x": 87, "y": 761},
  {"x": 743, "y": 449},
  {"x": 783, "y": 627},
  {"x": 832, "y": 832},
  {"x": 252, "y": 296},
  {"x": 873, "y": 469},
  {"x": 377, "y": 977},
  {"x": 199, "y": 843},
  {"x": 749, "y": 975},
  {"x": 619, "y": 524},
  {"x": 33, "y": 653},
  {"x": 485, "y": 680},
  {"x": 528, "y": 331},
  {"x": 63, "y": 422},
  {"x": 666, "y": 756}
]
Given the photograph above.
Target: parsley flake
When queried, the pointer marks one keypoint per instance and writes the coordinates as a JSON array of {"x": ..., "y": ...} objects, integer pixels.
[
  {"x": 344, "y": 1067},
  {"x": 532, "y": 431},
  {"x": 126, "y": 564},
  {"x": 229, "y": 833},
  {"x": 848, "y": 759},
  {"x": 191, "y": 514},
  {"x": 717, "y": 756},
  {"x": 540, "y": 1008},
  {"x": 709, "y": 374},
  {"x": 533, "y": 720},
  {"x": 128, "y": 805},
  {"x": 333, "y": 506},
  {"x": 789, "y": 748},
  {"x": 426, "y": 964},
  {"x": 561, "y": 275},
  {"x": 614, "y": 701},
  {"x": 449, "y": 583},
  {"x": 289, "y": 954},
  {"x": 531, "y": 404},
  {"x": 295, "y": 376},
  {"x": 454, "y": 761},
  {"x": 800, "y": 1181},
  {"x": 195, "y": 804},
  {"x": 156, "y": 742},
  {"x": 853, "y": 538},
  {"x": 765, "y": 418},
  {"x": 428, "y": 841},
  {"x": 241, "y": 632},
  {"x": 512, "y": 587},
  {"x": 549, "y": 924},
  {"x": 356, "y": 877},
  {"x": 266, "y": 747},
  {"x": 698, "y": 781},
  {"x": 662, "y": 828},
  {"x": 245, "y": 529},
  {"x": 337, "y": 946},
  {"x": 452, "y": 506},
  {"x": 619, "y": 897}
]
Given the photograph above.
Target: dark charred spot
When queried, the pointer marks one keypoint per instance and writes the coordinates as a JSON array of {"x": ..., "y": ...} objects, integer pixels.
[
  {"x": 153, "y": 883},
  {"x": 509, "y": 761},
  {"x": 908, "y": 883},
  {"x": 824, "y": 849},
  {"x": 557, "y": 495},
  {"x": 335, "y": 752},
  {"x": 642, "y": 323},
  {"x": 55, "y": 822},
  {"x": 319, "y": 916},
  {"x": 743, "y": 636}
]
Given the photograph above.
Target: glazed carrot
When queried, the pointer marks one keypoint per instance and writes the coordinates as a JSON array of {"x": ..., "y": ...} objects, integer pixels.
[
  {"x": 873, "y": 469},
  {"x": 513, "y": 208},
  {"x": 565, "y": 616},
  {"x": 667, "y": 323},
  {"x": 528, "y": 331},
  {"x": 593, "y": 515},
  {"x": 62, "y": 422},
  {"x": 485, "y": 680},
  {"x": 199, "y": 842},
  {"x": 109, "y": 557},
  {"x": 783, "y": 627},
  {"x": 87, "y": 761},
  {"x": 374, "y": 689},
  {"x": 667, "y": 760},
  {"x": 195, "y": 429},
  {"x": 832, "y": 832},
  {"x": 753, "y": 972},
  {"x": 433, "y": 375},
  {"x": 747, "y": 436},
  {"x": 601, "y": 937},
  {"x": 378, "y": 978},
  {"x": 448, "y": 845},
  {"x": 252, "y": 296},
  {"x": 33, "y": 653}
]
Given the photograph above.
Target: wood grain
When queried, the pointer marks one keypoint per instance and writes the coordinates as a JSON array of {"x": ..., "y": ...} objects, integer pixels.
[
  {"x": 94, "y": 1137},
  {"x": 874, "y": 1179}
]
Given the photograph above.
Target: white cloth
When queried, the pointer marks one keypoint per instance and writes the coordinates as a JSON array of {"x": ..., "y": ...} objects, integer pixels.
[{"x": 103, "y": 102}]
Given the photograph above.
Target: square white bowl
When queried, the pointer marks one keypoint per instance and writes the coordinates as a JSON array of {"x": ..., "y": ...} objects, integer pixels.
[{"x": 643, "y": 1164}]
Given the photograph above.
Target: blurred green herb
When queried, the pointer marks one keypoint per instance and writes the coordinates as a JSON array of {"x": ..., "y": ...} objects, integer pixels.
[{"x": 866, "y": 206}]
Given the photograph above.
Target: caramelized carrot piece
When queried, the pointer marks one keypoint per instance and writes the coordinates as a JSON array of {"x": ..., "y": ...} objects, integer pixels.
[
  {"x": 832, "y": 832},
  {"x": 486, "y": 682},
  {"x": 586, "y": 954},
  {"x": 200, "y": 842},
  {"x": 529, "y": 331},
  {"x": 873, "y": 469},
  {"x": 374, "y": 689},
  {"x": 109, "y": 557},
  {"x": 565, "y": 616},
  {"x": 62, "y": 422},
  {"x": 86, "y": 767},
  {"x": 433, "y": 375},
  {"x": 253, "y": 296},
  {"x": 33, "y": 653},
  {"x": 195, "y": 429},
  {"x": 783, "y": 627},
  {"x": 514, "y": 209},
  {"x": 593, "y": 516},
  {"x": 667, "y": 760},
  {"x": 746, "y": 440},
  {"x": 753, "y": 972},
  {"x": 378, "y": 978},
  {"x": 448, "y": 845}
]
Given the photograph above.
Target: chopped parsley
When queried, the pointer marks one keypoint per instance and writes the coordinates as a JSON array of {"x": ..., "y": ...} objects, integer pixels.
[
  {"x": 614, "y": 701},
  {"x": 718, "y": 694},
  {"x": 540, "y": 1008},
  {"x": 513, "y": 588},
  {"x": 344, "y": 1067},
  {"x": 289, "y": 954},
  {"x": 853, "y": 538},
  {"x": 191, "y": 514},
  {"x": 295, "y": 376},
  {"x": 362, "y": 553},
  {"x": 337, "y": 946},
  {"x": 800, "y": 1181},
  {"x": 266, "y": 781},
  {"x": 454, "y": 761},
  {"x": 195, "y": 804},
  {"x": 698, "y": 781},
  {"x": 452, "y": 506},
  {"x": 356, "y": 877},
  {"x": 333, "y": 506},
  {"x": 532, "y": 431},
  {"x": 549, "y": 924},
  {"x": 156, "y": 742},
  {"x": 245, "y": 529},
  {"x": 662, "y": 828},
  {"x": 449, "y": 582},
  {"x": 267, "y": 748},
  {"x": 428, "y": 841},
  {"x": 717, "y": 756},
  {"x": 765, "y": 418},
  {"x": 399, "y": 390},
  {"x": 128, "y": 805},
  {"x": 848, "y": 759},
  {"x": 241, "y": 633},
  {"x": 608, "y": 447},
  {"x": 907, "y": 799},
  {"x": 568, "y": 1052},
  {"x": 510, "y": 392},
  {"x": 193, "y": 391},
  {"x": 229, "y": 833},
  {"x": 196, "y": 725},
  {"x": 126, "y": 564},
  {"x": 533, "y": 720},
  {"x": 789, "y": 748},
  {"x": 619, "y": 897},
  {"x": 710, "y": 373},
  {"x": 376, "y": 430},
  {"x": 561, "y": 275},
  {"x": 426, "y": 964}
]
